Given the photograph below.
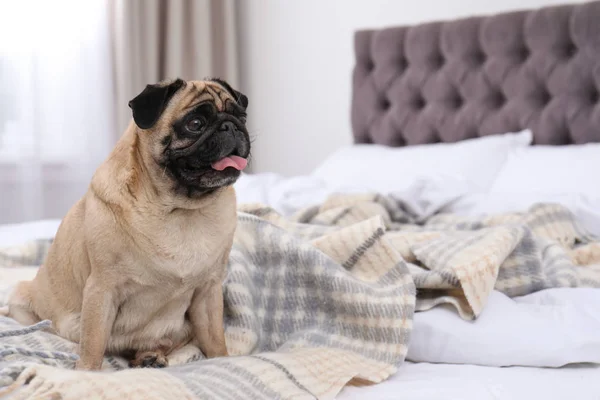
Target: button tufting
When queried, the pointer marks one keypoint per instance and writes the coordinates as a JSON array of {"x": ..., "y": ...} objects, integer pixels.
[
  {"x": 419, "y": 102},
  {"x": 524, "y": 54},
  {"x": 479, "y": 57},
  {"x": 544, "y": 96},
  {"x": 458, "y": 102},
  {"x": 505, "y": 74},
  {"x": 570, "y": 50},
  {"x": 595, "y": 96},
  {"x": 437, "y": 61},
  {"x": 402, "y": 64},
  {"x": 498, "y": 99},
  {"x": 384, "y": 103}
]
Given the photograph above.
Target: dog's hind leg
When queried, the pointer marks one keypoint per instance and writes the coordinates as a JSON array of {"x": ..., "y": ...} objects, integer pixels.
[{"x": 19, "y": 305}]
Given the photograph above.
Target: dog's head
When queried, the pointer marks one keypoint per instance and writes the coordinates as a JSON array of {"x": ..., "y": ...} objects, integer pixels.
[{"x": 195, "y": 131}]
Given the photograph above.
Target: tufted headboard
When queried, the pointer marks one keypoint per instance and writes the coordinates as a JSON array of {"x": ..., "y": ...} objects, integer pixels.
[{"x": 454, "y": 80}]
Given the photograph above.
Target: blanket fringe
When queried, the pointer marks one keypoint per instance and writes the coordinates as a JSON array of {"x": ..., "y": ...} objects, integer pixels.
[
  {"x": 10, "y": 350},
  {"x": 6, "y": 375},
  {"x": 24, "y": 378},
  {"x": 28, "y": 329}
]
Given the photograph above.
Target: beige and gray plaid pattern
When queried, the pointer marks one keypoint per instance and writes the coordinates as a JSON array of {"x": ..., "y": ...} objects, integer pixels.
[
  {"x": 308, "y": 309},
  {"x": 327, "y": 297},
  {"x": 459, "y": 260}
]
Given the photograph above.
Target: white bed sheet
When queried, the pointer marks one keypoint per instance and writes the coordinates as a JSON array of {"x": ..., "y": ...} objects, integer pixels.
[
  {"x": 424, "y": 381},
  {"x": 549, "y": 328}
]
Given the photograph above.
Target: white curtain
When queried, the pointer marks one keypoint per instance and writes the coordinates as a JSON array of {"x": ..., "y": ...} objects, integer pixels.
[
  {"x": 57, "y": 113},
  {"x": 67, "y": 71}
]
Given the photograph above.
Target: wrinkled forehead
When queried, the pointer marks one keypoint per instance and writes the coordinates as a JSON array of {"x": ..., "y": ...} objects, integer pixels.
[{"x": 196, "y": 92}]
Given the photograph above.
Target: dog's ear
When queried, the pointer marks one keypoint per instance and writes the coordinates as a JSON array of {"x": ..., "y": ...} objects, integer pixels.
[
  {"x": 150, "y": 104},
  {"x": 239, "y": 97}
]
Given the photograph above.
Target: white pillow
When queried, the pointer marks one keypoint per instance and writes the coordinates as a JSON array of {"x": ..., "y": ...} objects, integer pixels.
[
  {"x": 551, "y": 170},
  {"x": 567, "y": 175},
  {"x": 387, "y": 169}
]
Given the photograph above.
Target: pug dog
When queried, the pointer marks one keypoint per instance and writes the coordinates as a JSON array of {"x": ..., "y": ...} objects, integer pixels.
[{"x": 137, "y": 265}]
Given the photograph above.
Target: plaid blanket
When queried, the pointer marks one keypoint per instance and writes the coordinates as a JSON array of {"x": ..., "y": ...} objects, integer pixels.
[{"x": 322, "y": 299}]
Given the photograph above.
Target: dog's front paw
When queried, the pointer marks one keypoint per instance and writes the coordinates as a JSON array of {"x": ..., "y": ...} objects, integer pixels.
[{"x": 149, "y": 359}]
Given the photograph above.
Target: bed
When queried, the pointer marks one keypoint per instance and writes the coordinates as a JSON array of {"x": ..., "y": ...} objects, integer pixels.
[
  {"x": 447, "y": 82},
  {"x": 451, "y": 81},
  {"x": 455, "y": 123}
]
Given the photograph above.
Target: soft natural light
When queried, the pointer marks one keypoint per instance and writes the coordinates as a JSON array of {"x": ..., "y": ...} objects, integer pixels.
[{"x": 54, "y": 71}]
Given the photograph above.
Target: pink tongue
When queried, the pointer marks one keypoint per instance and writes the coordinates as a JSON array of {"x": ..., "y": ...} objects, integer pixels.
[{"x": 236, "y": 162}]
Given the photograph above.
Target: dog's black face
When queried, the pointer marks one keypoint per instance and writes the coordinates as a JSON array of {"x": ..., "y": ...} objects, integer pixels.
[
  {"x": 209, "y": 148},
  {"x": 203, "y": 140}
]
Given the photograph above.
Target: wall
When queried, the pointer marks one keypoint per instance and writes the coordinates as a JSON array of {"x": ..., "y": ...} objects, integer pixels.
[{"x": 297, "y": 59}]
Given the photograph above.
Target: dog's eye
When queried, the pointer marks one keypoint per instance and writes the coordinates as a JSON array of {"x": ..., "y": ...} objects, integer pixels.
[{"x": 195, "y": 125}]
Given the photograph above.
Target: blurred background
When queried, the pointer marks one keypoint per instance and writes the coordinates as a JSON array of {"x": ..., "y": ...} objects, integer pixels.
[{"x": 69, "y": 67}]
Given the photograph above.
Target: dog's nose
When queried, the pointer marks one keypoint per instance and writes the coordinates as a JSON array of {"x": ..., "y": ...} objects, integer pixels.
[{"x": 227, "y": 126}]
